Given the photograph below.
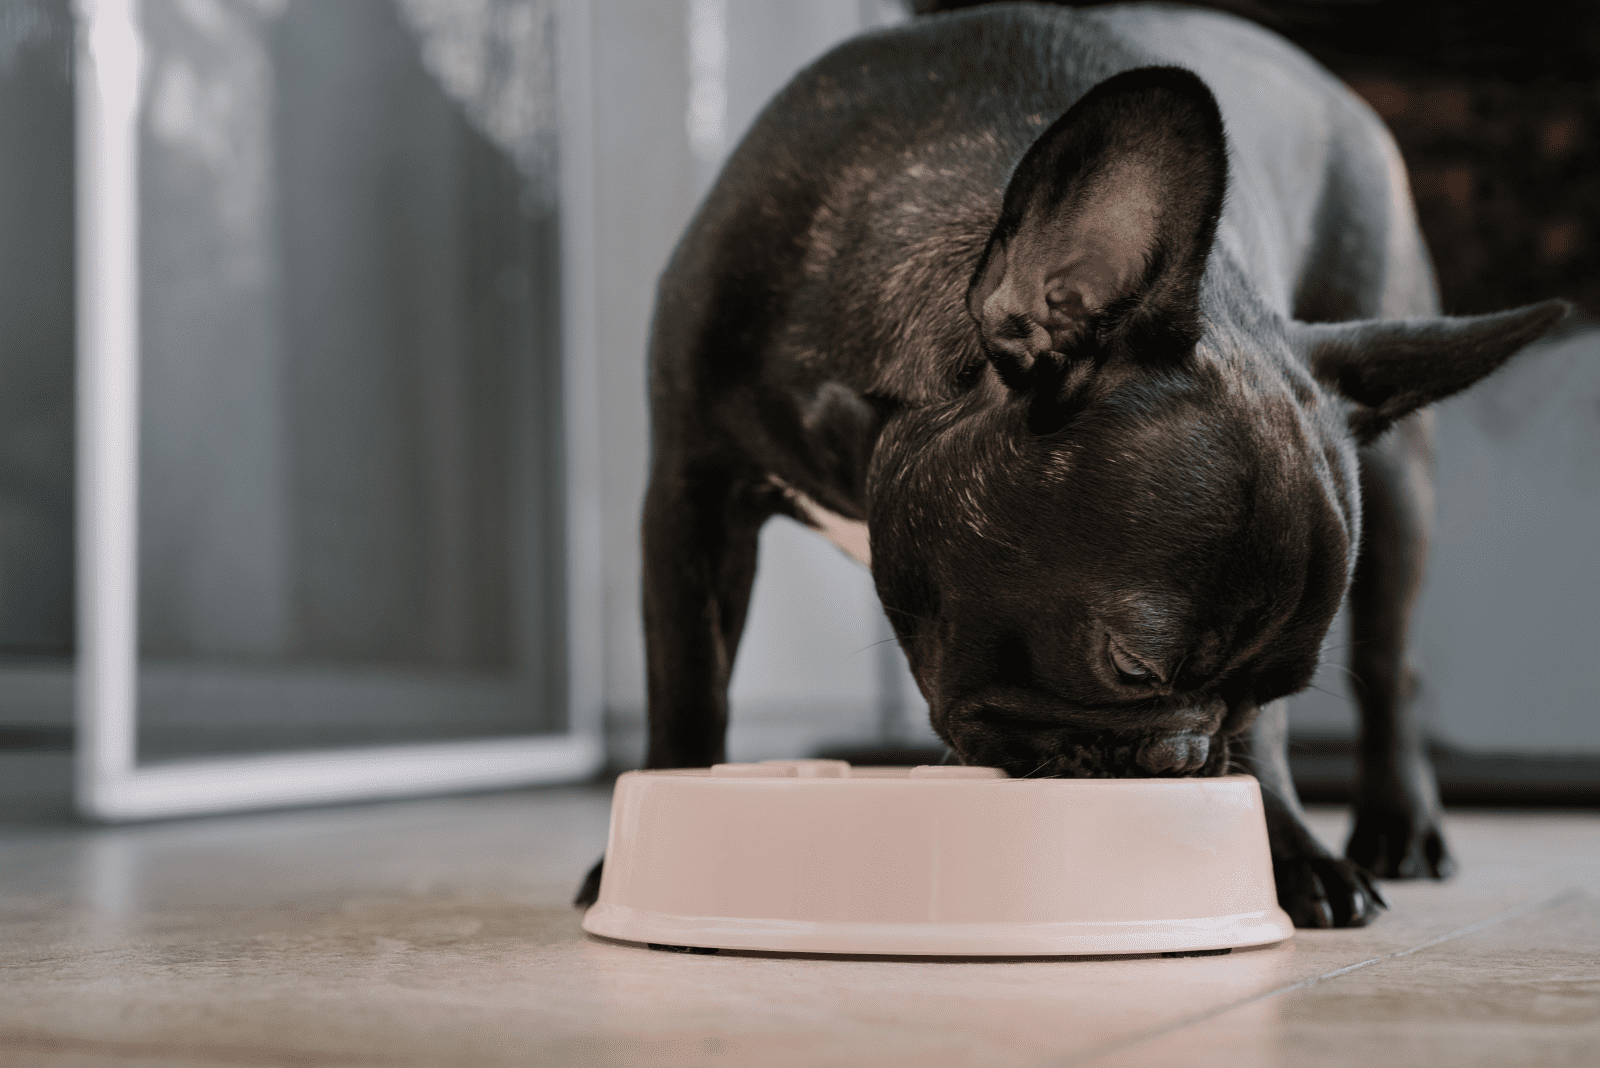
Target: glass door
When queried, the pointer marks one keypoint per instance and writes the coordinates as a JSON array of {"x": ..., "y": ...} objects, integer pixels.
[{"x": 332, "y": 400}]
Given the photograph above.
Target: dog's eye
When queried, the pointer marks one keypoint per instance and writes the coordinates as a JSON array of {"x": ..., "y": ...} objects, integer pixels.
[{"x": 1128, "y": 668}]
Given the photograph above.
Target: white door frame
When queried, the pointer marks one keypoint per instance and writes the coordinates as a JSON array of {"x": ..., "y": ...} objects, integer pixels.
[{"x": 110, "y": 784}]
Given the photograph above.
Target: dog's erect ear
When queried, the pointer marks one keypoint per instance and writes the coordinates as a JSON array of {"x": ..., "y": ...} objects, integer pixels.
[
  {"x": 1106, "y": 224},
  {"x": 1390, "y": 368}
]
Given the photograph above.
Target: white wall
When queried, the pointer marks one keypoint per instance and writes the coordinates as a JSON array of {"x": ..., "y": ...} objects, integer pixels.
[
  {"x": 811, "y": 669},
  {"x": 1507, "y": 633},
  {"x": 644, "y": 191},
  {"x": 1509, "y": 626}
]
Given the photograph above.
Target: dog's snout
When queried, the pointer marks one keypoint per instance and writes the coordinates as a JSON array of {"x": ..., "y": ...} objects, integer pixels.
[
  {"x": 1175, "y": 753},
  {"x": 1199, "y": 718}
]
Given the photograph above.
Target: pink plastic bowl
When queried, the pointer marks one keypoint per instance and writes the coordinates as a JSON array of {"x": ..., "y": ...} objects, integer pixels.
[{"x": 815, "y": 856}]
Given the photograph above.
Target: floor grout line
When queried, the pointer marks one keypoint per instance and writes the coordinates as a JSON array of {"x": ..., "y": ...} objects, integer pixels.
[{"x": 1560, "y": 898}]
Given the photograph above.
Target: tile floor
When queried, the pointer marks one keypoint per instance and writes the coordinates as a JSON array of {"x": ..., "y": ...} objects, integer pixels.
[{"x": 437, "y": 933}]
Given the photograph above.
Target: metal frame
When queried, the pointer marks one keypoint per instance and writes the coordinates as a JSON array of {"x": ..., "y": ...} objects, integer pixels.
[{"x": 110, "y": 783}]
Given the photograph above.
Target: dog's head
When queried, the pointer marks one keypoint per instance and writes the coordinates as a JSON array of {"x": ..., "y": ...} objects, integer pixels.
[{"x": 1136, "y": 521}]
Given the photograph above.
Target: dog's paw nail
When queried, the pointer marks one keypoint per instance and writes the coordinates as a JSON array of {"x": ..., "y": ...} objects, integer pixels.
[
  {"x": 589, "y": 892},
  {"x": 1321, "y": 891}
]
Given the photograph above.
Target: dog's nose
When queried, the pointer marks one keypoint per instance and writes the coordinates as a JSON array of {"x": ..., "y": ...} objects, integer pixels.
[{"x": 1183, "y": 752}]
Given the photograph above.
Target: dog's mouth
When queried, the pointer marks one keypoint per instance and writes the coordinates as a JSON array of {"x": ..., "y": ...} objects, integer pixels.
[
  {"x": 1186, "y": 745},
  {"x": 1099, "y": 756}
]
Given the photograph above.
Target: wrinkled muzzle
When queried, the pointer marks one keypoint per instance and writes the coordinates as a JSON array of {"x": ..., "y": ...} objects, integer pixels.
[
  {"x": 1183, "y": 753},
  {"x": 1192, "y": 742}
]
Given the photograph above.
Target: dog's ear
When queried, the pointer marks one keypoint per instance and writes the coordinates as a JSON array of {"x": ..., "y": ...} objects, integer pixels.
[
  {"x": 1391, "y": 367},
  {"x": 1106, "y": 224}
]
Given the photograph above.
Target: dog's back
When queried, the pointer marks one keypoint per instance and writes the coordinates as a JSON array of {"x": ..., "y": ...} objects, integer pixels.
[{"x": 873, "y": 180}]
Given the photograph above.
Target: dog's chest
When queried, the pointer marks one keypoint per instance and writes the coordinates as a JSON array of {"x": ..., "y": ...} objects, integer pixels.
[{"x": 848, "y": 534}]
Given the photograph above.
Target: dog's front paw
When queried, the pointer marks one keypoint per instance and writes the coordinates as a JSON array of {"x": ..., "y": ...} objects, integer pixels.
[
  {"x": 1396, "y": 844},
  {"x": 1324, "y": 891},
  {"x": 589, "y": 892}
]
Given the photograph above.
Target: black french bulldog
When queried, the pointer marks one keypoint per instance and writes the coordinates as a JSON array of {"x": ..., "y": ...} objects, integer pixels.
[{"x": 1115, "y": 329}]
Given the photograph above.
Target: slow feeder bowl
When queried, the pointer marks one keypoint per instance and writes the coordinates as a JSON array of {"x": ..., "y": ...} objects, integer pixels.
[{"x": 816, "y": 856}]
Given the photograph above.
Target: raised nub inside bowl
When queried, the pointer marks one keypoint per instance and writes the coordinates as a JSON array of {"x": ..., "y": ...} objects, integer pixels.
[
  {"x": 752, "y": 771},
  {"x": 954, "y": 771}
]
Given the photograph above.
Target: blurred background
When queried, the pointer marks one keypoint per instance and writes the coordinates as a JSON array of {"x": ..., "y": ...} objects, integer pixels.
[{"x": 351, "y": 499}]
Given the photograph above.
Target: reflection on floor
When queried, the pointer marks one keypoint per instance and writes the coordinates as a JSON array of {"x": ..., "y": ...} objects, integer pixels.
[{"x": 437, "y": 933}]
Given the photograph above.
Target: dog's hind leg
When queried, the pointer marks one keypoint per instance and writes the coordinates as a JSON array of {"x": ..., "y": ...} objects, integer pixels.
[
  {"x": 700, "y": 536},
  {"x": 1397, "y": 833}
]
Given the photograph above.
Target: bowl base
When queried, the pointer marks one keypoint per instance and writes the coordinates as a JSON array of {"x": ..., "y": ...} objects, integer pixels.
[{"x": 1189, "y": 937}]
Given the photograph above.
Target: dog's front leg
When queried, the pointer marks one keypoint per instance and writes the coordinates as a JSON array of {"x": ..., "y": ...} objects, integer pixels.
[
  {"x": 701, "y": 532},
  {"x": 1397, "y": 833},
  {"x": 700, "y": 538},
  {"x": 1315, "y": 888}
]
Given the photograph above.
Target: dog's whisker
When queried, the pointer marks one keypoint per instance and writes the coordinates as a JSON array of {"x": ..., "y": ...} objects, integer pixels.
[
  {"x": 1336, "y": 666},
  {"x": 1356, "y": 681},
  {"x": 874, "y": 645},
  {"x": 1036, "y": 770}
]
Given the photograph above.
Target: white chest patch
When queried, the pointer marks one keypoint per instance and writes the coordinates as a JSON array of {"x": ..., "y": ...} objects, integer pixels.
[{"x": 848, "y": 534}]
